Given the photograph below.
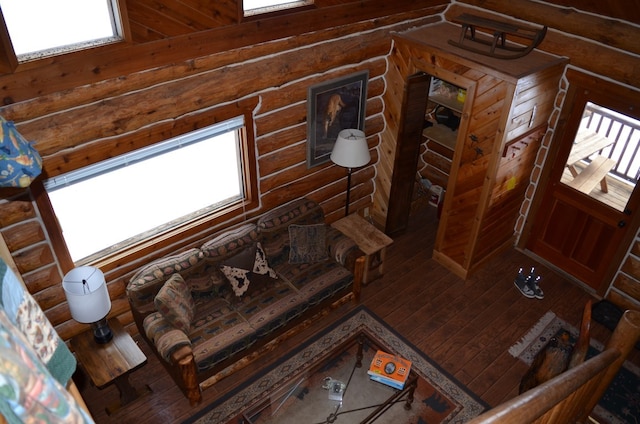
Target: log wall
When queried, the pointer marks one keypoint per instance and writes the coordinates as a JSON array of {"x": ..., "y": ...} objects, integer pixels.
[
  {"x": 73, "y": 106},
  {"x": 78, "y": 125}
]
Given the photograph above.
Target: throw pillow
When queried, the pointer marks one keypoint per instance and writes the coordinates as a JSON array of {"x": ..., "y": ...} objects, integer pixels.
[
  {"x": 307, "y": 243},
  {"x": 240, "y": 271},
  {"x": 238, "y": 277},
  {"x": 261, "y": 264},
  {"x": 175, "y": 303}
]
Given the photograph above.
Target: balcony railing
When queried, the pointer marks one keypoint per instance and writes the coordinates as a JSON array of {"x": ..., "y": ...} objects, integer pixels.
[{"x": 625, "y": 133}]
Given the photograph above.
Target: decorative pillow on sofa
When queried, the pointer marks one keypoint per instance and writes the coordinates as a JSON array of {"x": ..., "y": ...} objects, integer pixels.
[
  {"x": 175, "y": 303},
  {"x": 207, "y": 280},
  {"x": 307, "y": 243},
  {"x": 243, "y": 268}
]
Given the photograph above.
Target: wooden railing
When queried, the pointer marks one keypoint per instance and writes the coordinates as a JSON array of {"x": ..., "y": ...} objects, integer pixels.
[
  {"x": 571, "y": 396},
  {"x": 625, "y": 134}
]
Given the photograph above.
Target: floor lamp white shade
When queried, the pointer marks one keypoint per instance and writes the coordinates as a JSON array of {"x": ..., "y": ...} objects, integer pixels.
[
  {"x": 350, "y": 151},
  {"x": 87, "y": 294}
]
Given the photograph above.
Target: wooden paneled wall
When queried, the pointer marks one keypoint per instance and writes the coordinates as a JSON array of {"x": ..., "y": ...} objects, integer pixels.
[
  {"x": 595, "y": 45},
  {"x": 90, "y": 122}
]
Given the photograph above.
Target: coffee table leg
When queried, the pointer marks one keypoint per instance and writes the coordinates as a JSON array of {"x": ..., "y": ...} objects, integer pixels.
[
  {"x": 360, "y": 355},
  {"x": 412, "y": 386}
]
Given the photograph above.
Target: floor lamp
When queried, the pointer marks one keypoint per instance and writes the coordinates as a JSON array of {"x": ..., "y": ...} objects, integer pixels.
[{"x": 350, "y": 151}]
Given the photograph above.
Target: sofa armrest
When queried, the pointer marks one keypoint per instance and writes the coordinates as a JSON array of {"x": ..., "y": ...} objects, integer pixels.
[
  {"x": 342, "y": 249},
  {"x": 174, "y": 346},
  {"x": 166, "y": 338}
]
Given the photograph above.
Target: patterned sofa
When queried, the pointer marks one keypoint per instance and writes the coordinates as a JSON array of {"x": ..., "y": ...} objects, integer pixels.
[{"x": 208, "y": 311}]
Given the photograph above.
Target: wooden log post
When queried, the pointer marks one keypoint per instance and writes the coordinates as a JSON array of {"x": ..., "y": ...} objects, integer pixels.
[{"x": 623, "y": 339}]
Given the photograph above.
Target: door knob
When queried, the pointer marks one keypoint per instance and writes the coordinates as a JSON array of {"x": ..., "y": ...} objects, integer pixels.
[{"x": 622, "y": 223}]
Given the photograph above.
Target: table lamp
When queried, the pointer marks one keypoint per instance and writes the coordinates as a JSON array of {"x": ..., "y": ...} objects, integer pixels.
[
  {"x": 350, "y": 151},
  {"x": 88, "y": 299}
]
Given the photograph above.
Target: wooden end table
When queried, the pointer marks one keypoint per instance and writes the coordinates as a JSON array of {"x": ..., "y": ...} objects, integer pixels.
[
  {"x": 111, "y": 362},
  {"x": 370, "y": 240}
]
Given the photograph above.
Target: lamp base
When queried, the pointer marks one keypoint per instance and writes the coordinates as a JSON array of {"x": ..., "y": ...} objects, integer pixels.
[{"x": 101, "y": 332}]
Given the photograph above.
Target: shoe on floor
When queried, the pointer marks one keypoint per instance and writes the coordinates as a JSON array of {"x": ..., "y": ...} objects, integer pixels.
[
  {"x": 537, "y": 291},
  {"x": 521, "y": 283}
]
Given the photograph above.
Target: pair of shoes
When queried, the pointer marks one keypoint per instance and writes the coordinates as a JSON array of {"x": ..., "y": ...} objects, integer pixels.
[{"x": 521, "y": 283}]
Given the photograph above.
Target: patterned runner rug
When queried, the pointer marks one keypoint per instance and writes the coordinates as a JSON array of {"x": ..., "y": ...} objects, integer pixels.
[
  {"x": 621, "y": 402},
  {"x": 439, "y": 398}
]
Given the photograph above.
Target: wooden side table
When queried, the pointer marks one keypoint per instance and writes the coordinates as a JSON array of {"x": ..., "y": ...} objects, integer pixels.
[
  {"x": 370, "y": 240},
  {"x": 111, "y": 362}
]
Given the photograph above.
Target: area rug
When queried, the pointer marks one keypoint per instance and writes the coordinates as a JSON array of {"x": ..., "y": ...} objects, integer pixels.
[
  {"x": 621, "y": 402},
  {"x": 439, "y": 398}
]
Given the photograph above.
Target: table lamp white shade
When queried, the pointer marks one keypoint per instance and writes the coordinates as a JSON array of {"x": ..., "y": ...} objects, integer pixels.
[
  {"x": 87, "y": 294},
  {"x": 351, "y": 149}
]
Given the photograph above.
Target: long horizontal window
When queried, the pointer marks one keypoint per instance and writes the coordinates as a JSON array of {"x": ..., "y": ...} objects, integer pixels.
[{"x": 118, "y": 202}]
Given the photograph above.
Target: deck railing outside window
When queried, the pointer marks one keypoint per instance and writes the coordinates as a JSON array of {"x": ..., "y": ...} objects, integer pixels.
[{"x": 626, "y": 135}]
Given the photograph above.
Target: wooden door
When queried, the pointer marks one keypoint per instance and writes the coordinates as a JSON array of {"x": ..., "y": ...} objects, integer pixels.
[{"x": 585, "y": 233}]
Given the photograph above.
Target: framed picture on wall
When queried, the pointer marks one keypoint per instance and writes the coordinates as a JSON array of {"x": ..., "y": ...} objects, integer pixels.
[{"x": 331, "y": 107}]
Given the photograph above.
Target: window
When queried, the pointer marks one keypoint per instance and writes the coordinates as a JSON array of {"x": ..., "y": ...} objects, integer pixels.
[
  {"x": 606, "y": 146},
  {"x": 257, "y": 7},
  {"x": 39, "y": 28},
  {"x": 116, "y": 203}
]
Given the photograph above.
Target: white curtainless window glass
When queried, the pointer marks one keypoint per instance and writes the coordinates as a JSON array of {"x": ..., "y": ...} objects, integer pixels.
[
  {"x": 256, "y": 7},
  {"x": 118, "y": 202},
  {"x": 39, "y": 28}
]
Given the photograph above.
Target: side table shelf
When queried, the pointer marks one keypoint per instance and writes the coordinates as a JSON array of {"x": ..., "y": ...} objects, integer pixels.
[
  {"x": 111, "y": 362},
  {"x": 370, "y": 240}
]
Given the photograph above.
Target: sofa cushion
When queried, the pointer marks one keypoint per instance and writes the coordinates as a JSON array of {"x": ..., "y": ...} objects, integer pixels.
[
  {"x": 217, "y": 332},
  {"x": 175, "y": 303},
  {"x": 205, "y": 280},
  {"x": 272, "y": 307},
  {"x": 316, "y": 281},
  {"x": 230, "y": 243},
  {"x": 274, "y": 227},
  {"x": 146, "y": 283},
  {"x": 307, "y": 243},
  {"x": 247, "y": 267}
]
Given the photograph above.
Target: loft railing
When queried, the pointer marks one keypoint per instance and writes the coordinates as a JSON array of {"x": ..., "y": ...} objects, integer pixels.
[
  {"x": 625, "y": 133},
  {"x": 571, "y": 396}
]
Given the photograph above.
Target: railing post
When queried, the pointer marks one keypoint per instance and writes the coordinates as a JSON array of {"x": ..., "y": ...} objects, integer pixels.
[{"x": 623, "y": 339}]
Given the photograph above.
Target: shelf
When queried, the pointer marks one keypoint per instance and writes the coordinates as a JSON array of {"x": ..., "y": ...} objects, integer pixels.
[
  {"x": 441, "y": 134},
  {"x": 448, "y": 102}
]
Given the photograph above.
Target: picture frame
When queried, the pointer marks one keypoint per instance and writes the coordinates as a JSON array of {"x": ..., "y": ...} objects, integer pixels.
[{"x": 331, "y": 107}]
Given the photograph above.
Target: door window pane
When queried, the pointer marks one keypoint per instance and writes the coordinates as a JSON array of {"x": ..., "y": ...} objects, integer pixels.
[{"x": 604, "y": 162}]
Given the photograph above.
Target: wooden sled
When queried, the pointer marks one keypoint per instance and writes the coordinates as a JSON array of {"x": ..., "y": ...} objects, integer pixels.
[{"x": 497, "y": 46}]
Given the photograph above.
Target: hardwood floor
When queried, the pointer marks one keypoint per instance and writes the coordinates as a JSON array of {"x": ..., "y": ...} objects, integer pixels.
[{"x": 467, "y": 327}]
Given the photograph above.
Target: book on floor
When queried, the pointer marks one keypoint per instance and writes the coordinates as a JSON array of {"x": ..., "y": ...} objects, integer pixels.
[{"x": 389, "y": 369}]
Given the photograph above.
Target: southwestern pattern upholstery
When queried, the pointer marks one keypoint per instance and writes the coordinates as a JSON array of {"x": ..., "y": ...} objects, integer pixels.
[
  {"x": 175, "y": 303},
  {"x": 308, "y": 243},
  {"x": 225, "y": 327}
]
